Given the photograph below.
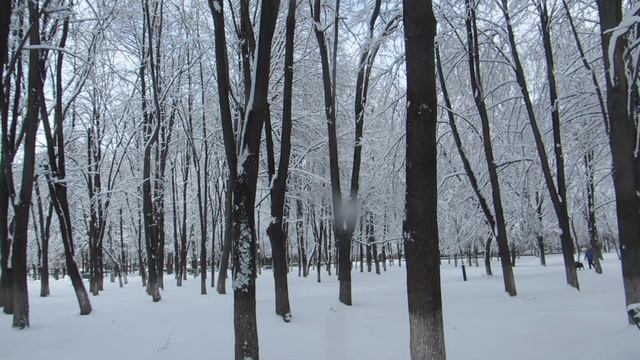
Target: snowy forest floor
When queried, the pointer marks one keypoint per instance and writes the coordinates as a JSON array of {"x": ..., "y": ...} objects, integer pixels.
[{"x": 547, "y": 320}]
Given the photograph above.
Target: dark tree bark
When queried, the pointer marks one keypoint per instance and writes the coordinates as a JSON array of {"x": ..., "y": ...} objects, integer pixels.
[
  {"x": 183, "y": 232},
  {"x": 420, "y": 228},
  {"x": 57, "y": 171},
  {"x": 244, "y": 245},
  {"x": 45, "y": 234},
  {"x": 123, "y": 259},
  {"x": 540, "y": 236},
  {"x": 21, "y": 207},
  {"x": 5, "y": 159},
  {"x": 555, "y": 119},
  {"x": 97, "y": 220},
  {"x": 174, "y": 217},
  {"x": 372, "y": 247},
  {"x": 592, "y": 228},
  {"x": 151, "y": 134},
  {"x": 343, "y": 225},
  {"x": 222, "y": 75},
  {"x": 622, "y": 140},
  {"x": 556, "y": 194},
  {"x": 473, "y": 181},
  {"x": 276, "y": 230},
  {"x": 247, "y": 39},
  {"x": 345, "y": 212},
  {"x": 228, "y": 235},
  {"x": 302, "y": 248},
  {"x": 478, "y": 91}
]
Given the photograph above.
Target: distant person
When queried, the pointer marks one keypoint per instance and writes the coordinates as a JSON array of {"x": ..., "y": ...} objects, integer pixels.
[{"x": 589, "y": 256}]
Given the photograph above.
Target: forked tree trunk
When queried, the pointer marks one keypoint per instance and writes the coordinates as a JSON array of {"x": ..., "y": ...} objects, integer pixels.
[
  {"x": 343, "y": 225},
  {"x": 420, "y": 228},
  {"x": 244, "y": 244},
  {"x": 276, "y": 229},
  {"x": 556, "y": 194},
  {"x": 57, "y": 167}
]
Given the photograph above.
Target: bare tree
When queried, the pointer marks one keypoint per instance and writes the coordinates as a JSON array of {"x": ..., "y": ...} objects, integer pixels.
[{"x": 478, "y": 96}]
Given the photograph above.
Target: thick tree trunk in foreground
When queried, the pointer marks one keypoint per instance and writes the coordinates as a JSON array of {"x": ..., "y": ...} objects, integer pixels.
[
  {"x": 622, "y": 139},
  {"x": 420, "y": 229}
]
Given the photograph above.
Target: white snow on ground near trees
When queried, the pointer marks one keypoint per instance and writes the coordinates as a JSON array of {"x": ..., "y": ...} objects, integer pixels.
[{"x": 547, "y": 320}]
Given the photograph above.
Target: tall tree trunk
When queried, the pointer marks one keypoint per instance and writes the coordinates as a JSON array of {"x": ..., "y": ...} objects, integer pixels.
[
  {"x": 21, "y": 208},
  {"x": 558, "y": 199},
  {"x": 45, "y": 234},
  {"x": 151, "y": 134},
  {"x": 174, "y": 217},
  {"x": 473, "y": 181},
  {"x": 58, "y": 189},
  {"x": 5, "y": 161},
  {"x": 244, "y": 245},
  {"x": 420, "y": 228},
  {"x": 222, "y": 72},
  {"x": 344, "y": 220},
  {"x": 478, "y": 91},
  {"x": 557, "y": 139},
  {"x": 276, "y": 229},
  {"x": 183, "y": 231},
  {"x": 622, "y": 139}
]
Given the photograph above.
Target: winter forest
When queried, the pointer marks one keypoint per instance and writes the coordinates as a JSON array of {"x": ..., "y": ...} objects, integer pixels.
[{"x": 319, "y": 179}]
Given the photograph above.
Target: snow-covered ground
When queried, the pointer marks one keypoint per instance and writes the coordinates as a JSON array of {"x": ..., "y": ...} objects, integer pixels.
[{"x": 547, "y": 320}]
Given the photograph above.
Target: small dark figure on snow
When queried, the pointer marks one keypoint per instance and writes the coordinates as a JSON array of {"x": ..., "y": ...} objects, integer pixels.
[
  {"x": 589, "y": 256},
  {"x": 578, "y": 265}
]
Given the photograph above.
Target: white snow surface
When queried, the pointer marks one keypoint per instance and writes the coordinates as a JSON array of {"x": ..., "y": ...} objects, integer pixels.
[{"x": 547, "y": 320}]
